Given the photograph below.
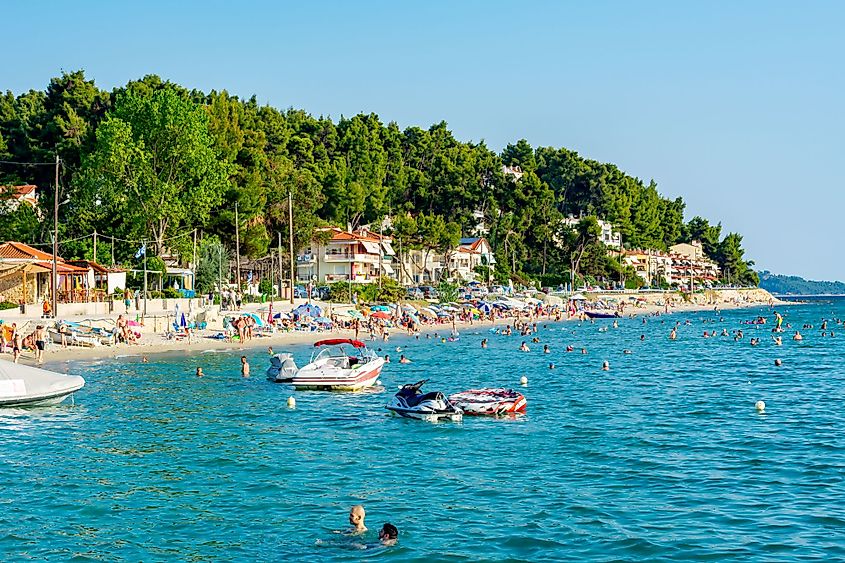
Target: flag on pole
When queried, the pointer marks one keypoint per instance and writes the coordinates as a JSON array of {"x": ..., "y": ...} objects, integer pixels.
[{"x": 141, "y": 251}]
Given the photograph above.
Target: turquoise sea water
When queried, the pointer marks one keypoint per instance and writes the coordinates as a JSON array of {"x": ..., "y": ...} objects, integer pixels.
[{"x": 664, "y": 457}]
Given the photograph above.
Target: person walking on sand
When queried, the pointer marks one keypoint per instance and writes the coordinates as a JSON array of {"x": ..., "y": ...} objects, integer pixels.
[
  {"x": 127, "y": 299},
  {"x": 17, "y": 343},
  {"x": 40, "y": 335},
  {"x": 244, "y": 367}
]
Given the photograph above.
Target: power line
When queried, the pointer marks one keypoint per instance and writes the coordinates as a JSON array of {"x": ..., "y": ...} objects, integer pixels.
[{"x": 28, "y": 163}]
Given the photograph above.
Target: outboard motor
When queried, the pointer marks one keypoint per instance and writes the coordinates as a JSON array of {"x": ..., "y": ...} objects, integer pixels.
[{"x": 282, "y": 368}]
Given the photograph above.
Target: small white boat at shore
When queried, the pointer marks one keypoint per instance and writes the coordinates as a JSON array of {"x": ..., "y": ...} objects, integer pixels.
[
  {"x": 27, "y": 386},
  {"x": 343, "y": 365}
]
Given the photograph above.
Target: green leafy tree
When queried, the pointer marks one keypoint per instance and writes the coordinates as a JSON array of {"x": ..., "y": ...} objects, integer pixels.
[{"x": 155, "y": 166}]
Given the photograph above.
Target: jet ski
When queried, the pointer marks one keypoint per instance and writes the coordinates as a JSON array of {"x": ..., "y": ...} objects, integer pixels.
[
  {"x": 282, "y": 368},
  {"x": 431, "y": 407}
]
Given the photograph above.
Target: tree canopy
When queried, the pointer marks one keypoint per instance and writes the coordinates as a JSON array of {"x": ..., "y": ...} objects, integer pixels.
[{"x": 153, "y": 161}]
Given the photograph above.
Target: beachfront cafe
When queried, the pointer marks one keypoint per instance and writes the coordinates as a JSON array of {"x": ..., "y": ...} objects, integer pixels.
[{"x": 25, "y": 274}]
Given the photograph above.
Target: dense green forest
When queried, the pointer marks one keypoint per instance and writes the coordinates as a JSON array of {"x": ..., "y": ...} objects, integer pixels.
[
  {"x": 155, "y": 161},
  {"x": 794, "y": 285}
]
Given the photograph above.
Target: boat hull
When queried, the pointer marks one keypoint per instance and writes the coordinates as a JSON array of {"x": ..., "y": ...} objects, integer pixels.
[
  {"x": 428, "y": 416},
  {"x": 354, "y": 380},
  {"x": 594, "y": 315},
  {"x": 27, "y": 386},
  {"x": 46, "y": 401}
]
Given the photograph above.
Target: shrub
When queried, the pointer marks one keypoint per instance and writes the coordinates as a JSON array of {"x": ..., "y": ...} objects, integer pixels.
[
  {"x": 8, "y": 305},
  {"x": 171, "y": 293},
  {"x": 265, "y": 286}
]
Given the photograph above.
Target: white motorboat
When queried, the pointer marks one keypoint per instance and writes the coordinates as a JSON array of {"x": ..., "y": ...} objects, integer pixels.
[
  {"x": 342, "y": 364},
  {"x": 27, "y": 386}
]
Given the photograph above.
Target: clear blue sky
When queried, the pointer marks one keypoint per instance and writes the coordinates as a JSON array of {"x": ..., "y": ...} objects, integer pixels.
[{"x": 736, "y": 106}]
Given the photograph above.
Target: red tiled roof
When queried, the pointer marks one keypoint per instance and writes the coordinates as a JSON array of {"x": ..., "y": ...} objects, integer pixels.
[
  {"x": 62, "y": 267},
  {"x": 21, "y": 251},
  {"x": 18, "y": 191},
  {"x": 99, "y": 268},
  {"x": 341, "y": 235}
]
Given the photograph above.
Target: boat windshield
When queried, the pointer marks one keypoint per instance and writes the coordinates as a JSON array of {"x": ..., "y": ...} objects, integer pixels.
[{"x": 363, "y": 354}]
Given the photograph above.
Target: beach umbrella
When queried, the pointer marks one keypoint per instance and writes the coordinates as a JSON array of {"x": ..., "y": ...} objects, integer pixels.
[
  {"x": 183, "y": 322},
  {"x": 384, "y": 308},
  {"x": 442, "y": 314},
  {"x": 427, "y": 312},
  {"x": 577, "y": 297},
  {"x": 484, "y": 307},
  {"x": 281, "y": 315},
  {"x": 270, "y": 314},
  {"x": 380, "y": 315},
  {"x": 323, "y": 321},
  {"x": 308, "y": 310}
]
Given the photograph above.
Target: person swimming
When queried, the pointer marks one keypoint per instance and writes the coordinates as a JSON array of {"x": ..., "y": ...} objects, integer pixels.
[
  {"x": 524, "y": 347},
  {"x": 357, "y": 514},
  {"x": 388, "y": 535},
  {"x": 673, "y": 335},
  {"x": 484, "y": 343},
  {"x": 605, "y": 366},
  {"x": 546, "y": 349},
  {"x": 404, "y": 360},
  {"x": 797, "y": 336},
  {"x": 199, "y": 372}
]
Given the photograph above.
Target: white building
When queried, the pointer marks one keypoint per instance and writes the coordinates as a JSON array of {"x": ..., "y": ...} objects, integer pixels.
[
  {"x": 421, "y": 268},
  {"x": 514, "y": 172},
  {"x": 683, "y": 263},
  {"x": 610, "y": 237},
  {"x": 345, "y": 256}
]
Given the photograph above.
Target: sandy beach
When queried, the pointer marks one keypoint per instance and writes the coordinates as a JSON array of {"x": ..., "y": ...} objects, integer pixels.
[{"x": 152, "y": 343}]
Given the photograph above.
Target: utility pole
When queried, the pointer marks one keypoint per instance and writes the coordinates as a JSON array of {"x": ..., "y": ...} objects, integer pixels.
[
  {"x": 144, "y": 246},
  {"x": 237, "y": 249},
  {"x": 194, "y": 263},
  {"x": 220, "y": 273},
  {"x": 281, "y": 274},
  {"x": 55, "y": 275},
  {"x": 95, "y": 245},
  {"x": 380, "y": 251},
  {"x": 290, "y": 236}
]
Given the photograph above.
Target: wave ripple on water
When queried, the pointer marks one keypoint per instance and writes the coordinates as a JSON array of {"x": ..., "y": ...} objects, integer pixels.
[{"x": 664, "y": 457}]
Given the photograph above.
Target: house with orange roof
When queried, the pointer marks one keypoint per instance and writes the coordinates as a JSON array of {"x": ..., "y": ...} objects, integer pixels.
[
  {"x": 25, "y": 274},
  {"x": 335, "y": 254},
  {"x": 13, "y": 197}
]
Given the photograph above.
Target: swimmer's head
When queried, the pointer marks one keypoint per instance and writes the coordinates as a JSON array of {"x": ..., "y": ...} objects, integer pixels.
[
  {"x": 356, "y": 516},
  {"x": 388, "y": 534}
]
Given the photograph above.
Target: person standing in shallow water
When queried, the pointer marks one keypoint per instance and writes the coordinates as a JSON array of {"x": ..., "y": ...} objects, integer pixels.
[{"x": 244, "y": 367}]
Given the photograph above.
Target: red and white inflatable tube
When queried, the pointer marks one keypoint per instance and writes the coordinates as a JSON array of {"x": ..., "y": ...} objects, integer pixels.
[{"x": 489, "y": 402}]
